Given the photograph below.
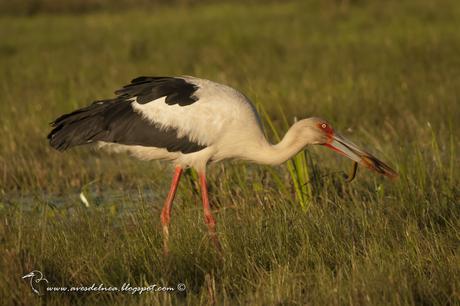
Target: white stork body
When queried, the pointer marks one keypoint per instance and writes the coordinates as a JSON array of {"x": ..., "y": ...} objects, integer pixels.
[
  {"x": 191, "y": 122},
  {"x": 222, "y": 119}
]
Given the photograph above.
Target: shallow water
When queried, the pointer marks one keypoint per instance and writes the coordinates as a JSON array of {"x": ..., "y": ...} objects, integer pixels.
[{"x": 127, "y": 199}]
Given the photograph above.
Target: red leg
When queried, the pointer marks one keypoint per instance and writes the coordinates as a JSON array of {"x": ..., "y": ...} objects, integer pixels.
[
  {"x": 208, "y": 218},
  {"x": 166, "y": 212}
]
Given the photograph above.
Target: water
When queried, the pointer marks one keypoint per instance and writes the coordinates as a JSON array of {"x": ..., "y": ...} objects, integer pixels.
[{"x": 123, "y": 200}]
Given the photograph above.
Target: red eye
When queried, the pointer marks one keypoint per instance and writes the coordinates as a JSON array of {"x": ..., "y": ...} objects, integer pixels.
[{"x": 326, "y": 128}]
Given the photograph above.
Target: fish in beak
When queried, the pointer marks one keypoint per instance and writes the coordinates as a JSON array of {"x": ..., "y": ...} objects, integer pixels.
[{"x": 347, "y": 148}]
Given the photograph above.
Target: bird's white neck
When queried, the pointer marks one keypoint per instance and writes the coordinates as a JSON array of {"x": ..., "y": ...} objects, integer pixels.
[{"x": 268, "y": 154}]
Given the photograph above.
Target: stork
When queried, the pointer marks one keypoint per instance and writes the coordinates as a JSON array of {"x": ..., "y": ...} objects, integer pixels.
[{"x": 192, "y": 122}]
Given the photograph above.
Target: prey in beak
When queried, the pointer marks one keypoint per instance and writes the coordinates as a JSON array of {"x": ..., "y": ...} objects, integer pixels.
[{"x": 347, "y": 148}]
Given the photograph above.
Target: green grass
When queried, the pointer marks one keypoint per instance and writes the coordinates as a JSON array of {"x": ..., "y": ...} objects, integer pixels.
[{"x": 385, "y": 74}]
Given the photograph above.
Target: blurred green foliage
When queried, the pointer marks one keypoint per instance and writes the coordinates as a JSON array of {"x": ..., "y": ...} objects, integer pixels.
[{"x": 33, "y": 7}]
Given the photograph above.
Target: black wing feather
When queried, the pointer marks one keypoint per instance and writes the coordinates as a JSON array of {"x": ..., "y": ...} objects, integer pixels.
[
  {"x": 147, "y": 89},
  {"x": 116, "y": 121}
]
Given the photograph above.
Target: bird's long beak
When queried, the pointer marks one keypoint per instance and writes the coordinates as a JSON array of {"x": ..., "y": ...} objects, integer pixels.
[
  {"x": 350, "y": 150},
  {"x": 29, "y": 275}
]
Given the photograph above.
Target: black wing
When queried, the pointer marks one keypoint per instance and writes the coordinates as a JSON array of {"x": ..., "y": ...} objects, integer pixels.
[
  {"x": 115, "y": 120},
  {"x": 147, "y": 89}
]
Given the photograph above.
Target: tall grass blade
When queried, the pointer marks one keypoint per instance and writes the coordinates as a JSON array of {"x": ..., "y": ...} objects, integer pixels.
[{"x": 297, "y": 166}]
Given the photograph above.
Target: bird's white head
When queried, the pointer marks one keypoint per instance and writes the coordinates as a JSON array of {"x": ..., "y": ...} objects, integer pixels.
[{"x": 319, "y": 132}]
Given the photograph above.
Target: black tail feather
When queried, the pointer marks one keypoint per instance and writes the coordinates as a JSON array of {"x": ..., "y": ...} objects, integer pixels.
[
  {"x": 115, "y": 121},
  {"x": 79, "y": 127}
]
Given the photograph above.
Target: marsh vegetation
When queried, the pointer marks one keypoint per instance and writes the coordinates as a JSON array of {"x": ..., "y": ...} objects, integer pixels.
[{"x": 385, "y": 74}]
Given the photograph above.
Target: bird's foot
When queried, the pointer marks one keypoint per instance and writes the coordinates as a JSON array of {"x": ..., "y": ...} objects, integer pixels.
[
  {"x": 165, "y": 241},
  {"x": 216, "y": 243}
]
